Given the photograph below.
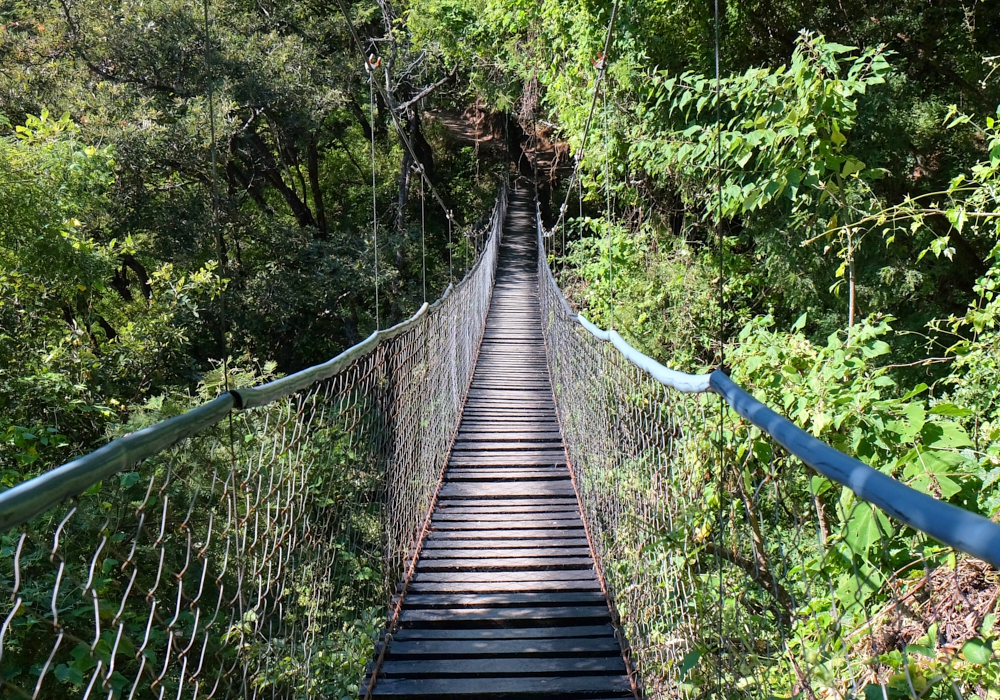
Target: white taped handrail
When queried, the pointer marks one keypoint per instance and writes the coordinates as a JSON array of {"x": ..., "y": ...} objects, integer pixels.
[
  {"x": 687, "y": 383},
  {"x": 681, "y": 381}
]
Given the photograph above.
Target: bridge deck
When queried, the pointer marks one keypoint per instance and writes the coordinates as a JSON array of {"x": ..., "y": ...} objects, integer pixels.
[{"x": 505, "y": 602}]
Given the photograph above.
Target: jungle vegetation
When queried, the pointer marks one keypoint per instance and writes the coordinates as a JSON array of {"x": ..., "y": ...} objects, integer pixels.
[{"x": 184, "y": 186}]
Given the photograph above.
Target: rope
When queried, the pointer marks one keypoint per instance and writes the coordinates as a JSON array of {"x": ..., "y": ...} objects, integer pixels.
[
  {"x": 451, "y": 272},
  {"x": 721, "y": 457},
  {"x": 370, "y": 69},
  {"x": 220, "y": 242}
]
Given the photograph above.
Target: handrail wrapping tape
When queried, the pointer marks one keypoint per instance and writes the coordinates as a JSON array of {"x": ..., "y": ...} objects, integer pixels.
[
  {"x": 30, "y": 498},
  {"x": 954, "y": 526}
]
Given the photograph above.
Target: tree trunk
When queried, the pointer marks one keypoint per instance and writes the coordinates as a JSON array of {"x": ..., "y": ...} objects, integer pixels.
[
  {"x": 426, "y": 156},
  {"x": 317, "y": 193}
]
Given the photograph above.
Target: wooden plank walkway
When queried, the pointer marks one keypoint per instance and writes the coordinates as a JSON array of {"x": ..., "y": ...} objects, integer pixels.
[{"x": 505, "y": 602}]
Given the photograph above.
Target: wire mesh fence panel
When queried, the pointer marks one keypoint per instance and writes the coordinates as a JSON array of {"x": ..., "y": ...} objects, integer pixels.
[
  {"x": 257, "y": 557},
  {"x": 735, "y": 569}
]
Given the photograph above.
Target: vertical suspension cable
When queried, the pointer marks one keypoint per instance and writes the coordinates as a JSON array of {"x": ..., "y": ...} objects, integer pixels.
[
  {"x": 451, "y": 272},
  {"x": 220, "y": 243},
  {"x": 370, "y": 68},
  {"x": 720, "y": 465},
  {"x": 609, "y": 213},
  {"x": 423, "y": 240}
]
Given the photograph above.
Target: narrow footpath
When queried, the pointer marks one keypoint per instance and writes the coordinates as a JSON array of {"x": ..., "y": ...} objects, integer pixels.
[{"x": 505, "y": 602}]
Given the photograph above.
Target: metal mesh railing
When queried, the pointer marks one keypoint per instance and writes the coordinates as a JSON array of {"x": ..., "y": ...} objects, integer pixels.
[
  {"x": 738, "y": 571},
  {"x": 242, "y": 554}
]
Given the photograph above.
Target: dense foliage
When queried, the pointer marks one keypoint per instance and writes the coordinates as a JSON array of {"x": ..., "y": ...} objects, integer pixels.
[
  {"x": 138, "y": 253},
  {"x": 822, "y": 219},
  {"x": 178, "y": 192},
  {"x": 186, "y": 205}
]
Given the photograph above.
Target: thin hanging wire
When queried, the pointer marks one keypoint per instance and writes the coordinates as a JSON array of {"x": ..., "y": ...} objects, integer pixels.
[
  {"x": 451, "y": 272},
  {"x": 718, "y": 190},
  {"x": 219, "y": 241},
  {"x": 609, "y": 215},
  {"x": 423, "y": 240},
  {"x": 602, "y": 65},
  {"x": 720, "y": 449},
  {"x": 391, "y": 107},
  {"x": 370, "y": 68}
]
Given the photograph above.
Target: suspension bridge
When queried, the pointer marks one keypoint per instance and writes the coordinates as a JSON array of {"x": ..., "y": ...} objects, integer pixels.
[{"x": 492, "y": 499}]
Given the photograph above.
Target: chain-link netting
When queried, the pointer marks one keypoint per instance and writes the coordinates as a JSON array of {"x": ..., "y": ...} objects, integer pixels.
[
  {"x": 258, "y": 557},
  {"x": 736, "y": 570}
]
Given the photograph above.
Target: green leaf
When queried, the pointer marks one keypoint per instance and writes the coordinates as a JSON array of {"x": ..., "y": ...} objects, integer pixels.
[
  {"x": 977, "y": 651},
  {"x": 128, "y": 480},
  {"x": 921, "y": 650},
  {"x": 945, "y": 434},
  {"x": 69, "y": 674},
  {"x": 852, "y": 166},
  {"x": 950, "y": 409},
  {"x": 915, "y": 416},
  {"x": 690, "y": 661},
  {"x": 918, "y": 389},
  {"x": 820, "y": 485},
  {"x": 865, "y": 528},
  {"x": 932, "y": 471}
]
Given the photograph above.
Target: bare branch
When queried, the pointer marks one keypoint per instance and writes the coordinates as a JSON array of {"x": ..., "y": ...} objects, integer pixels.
[{"x": 426, "y": 91}]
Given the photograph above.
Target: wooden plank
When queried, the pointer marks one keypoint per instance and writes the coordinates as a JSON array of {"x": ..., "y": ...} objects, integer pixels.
[
  {"x": 518, "y": 455},
  {"x": 472, "y": 437},
  {"x": 515, "y": 545},
  {"x": 513, "y": 502},
  {"x": 504, "y": 490},
  {"x": 506, "y": 474},
  {"x": 551, "y": 523},
  {"x": 508, "y": 688},
  {"x": 508, "y": 533},
  {"x": 505, "y": 563},
  {"x": 497, "y": 442},
  {"x": 465, "y": 616},
  {"x": 409, "y": 635},
  {"x": 503, "y": 586},
  {"x": 500, "y": 666},
  {"x": 497, "y": 553},
  {"x": 480, "y": 600},
  {"x": 514, "y": 458},
  {"x": 449, "y": 509},
  {"x": 501, "y": 576},
  {"x": 448, "y": 515}
]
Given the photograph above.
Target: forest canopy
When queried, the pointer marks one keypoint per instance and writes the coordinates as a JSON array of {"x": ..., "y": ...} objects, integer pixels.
[{"x": 187, "y": 202}]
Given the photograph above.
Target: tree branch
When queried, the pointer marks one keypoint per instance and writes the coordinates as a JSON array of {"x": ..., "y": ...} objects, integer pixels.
[{"x": 426, "y": 91}]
